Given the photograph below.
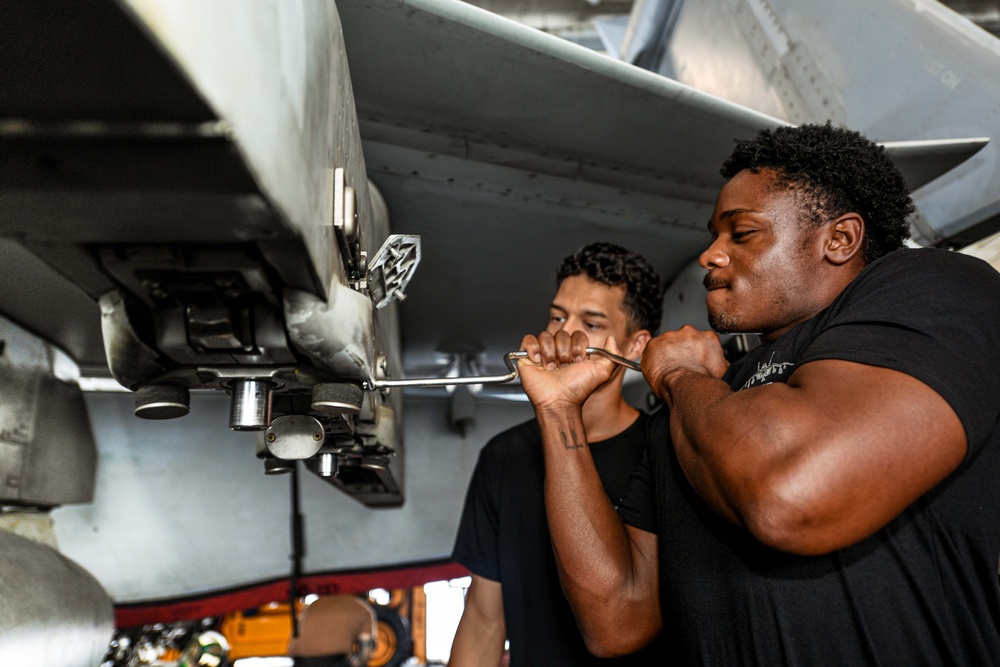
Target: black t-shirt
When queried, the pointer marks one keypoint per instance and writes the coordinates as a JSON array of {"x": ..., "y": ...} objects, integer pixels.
[
  {"x": 504, "y": 536},
  {"x": 922, "y": 590}
]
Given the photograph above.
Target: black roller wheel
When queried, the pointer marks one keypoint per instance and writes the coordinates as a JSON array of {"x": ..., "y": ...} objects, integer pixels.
[{"x": 393, "y": 643}]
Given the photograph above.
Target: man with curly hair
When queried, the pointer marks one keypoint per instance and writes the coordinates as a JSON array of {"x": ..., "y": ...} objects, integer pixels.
[
  {"x": 602, "y": 290},
  {"x": 835, "y": 497}
]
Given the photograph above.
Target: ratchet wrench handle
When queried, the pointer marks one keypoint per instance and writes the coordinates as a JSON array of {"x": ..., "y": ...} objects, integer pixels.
[{"x": 509, "y": 359}]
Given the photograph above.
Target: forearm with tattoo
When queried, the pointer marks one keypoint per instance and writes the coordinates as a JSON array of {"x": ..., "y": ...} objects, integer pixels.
[{"x": 571, "y": 440}]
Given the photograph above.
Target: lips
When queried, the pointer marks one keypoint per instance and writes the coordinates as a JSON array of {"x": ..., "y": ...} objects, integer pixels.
[{"x": 711, "y": 283}]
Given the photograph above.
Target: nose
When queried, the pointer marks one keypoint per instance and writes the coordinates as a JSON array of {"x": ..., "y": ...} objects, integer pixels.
[
  {"x": 571, "y": 325},
  {"x": 714, "y": 257}
]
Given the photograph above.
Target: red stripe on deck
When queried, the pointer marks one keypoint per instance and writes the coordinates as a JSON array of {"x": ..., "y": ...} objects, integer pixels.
[{"x": 249, "y": 597}]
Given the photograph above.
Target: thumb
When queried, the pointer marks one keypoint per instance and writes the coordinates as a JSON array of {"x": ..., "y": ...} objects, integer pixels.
[{"x": 611, "y": 345}]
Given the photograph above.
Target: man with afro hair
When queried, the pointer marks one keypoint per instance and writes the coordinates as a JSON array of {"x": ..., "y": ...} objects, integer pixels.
[
  {"x": 602, "y": 290},
  {"x": 832, "y": 499}
]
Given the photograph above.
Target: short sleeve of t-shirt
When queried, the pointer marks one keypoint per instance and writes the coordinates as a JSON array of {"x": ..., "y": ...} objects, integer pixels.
[
  {"x": 931, "y": 314},
  {"x": 477, "y": 541},
  {"x": 638, "y": 506}
]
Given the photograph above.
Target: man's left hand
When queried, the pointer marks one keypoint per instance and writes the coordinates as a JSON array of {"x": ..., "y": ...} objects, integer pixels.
[{"x": 558, "y": 372}]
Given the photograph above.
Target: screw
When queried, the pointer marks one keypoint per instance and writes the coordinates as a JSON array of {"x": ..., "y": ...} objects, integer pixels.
[
  {"x": 271, "y": 437},
  {"x": 317, "y": 436}
]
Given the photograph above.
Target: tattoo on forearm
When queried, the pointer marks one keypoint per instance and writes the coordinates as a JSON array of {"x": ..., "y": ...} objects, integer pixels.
[{"x": 575, "y": 444}]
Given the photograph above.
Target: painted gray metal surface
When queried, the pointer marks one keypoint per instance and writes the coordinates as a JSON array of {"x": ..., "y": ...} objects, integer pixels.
[
  {"x": 53, "y": 612},
  {"x": 894, "y": 69},
  {"x": 47, "y": 451},
  {"x": 277, "y": 76},
  {"x": 506, "y": 149},
  {"x": 221, "y": 128},
  {"x": 290, "y": 105},
  {"x": 98, "y": 148},
  {"x": 211, "y": 223},
  {"x": 450, "y": 78}
]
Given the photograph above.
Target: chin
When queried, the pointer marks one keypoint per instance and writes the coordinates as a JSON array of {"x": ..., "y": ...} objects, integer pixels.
[{"x": 723, "y": 323}]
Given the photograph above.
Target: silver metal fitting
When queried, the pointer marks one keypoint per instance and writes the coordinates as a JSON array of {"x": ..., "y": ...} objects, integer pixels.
[{"x": 251, "y": 405}]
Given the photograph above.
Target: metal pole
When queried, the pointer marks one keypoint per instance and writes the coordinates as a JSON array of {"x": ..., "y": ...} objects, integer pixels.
[{"x": 298, "y": 550}]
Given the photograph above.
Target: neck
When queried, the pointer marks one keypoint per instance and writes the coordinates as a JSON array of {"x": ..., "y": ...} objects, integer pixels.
[{"x": 606, "y": 413}]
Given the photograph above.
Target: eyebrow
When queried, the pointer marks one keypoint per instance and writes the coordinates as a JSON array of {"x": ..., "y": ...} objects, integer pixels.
[
  {"x": 589, "y": 313},
  {"x": 732, "y": 213}
]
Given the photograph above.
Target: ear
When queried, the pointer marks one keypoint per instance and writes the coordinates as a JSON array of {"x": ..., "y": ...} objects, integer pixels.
[
  {"x": 846, "y": 235},
  {"x": 637, "y": 343}
]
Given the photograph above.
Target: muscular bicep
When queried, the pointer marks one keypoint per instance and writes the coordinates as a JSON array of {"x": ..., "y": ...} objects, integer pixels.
[{"x": 845, "y": 447}]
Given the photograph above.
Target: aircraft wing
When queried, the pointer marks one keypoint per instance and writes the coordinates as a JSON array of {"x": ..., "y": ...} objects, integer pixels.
[
  {"x": 506, "y": 148},
  {"x": 897, "y": 71}
]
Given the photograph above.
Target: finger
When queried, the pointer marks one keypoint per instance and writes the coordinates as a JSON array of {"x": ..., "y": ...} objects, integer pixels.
[
  {"x": 578, "y": 346},
  {"x": 611, "y": 345},
  {"x": 564, "y": 347},
  {"x": 530, "y": 345},
  {"x": 547, "y": 350}
]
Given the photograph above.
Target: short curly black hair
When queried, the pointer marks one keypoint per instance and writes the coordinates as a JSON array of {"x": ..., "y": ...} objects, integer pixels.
[
  {"x": 837, "y": 171},
  {"x": 615, "y": 266}
]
